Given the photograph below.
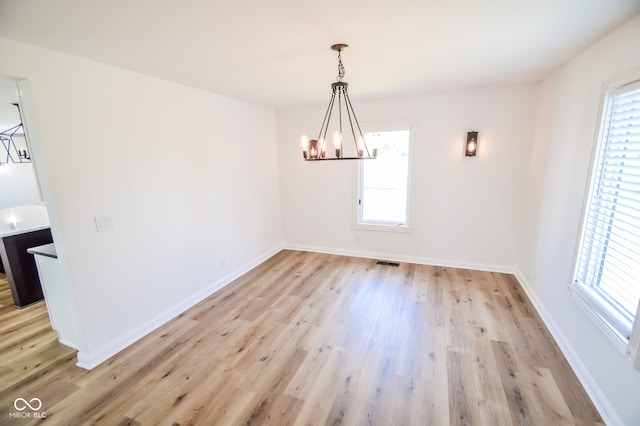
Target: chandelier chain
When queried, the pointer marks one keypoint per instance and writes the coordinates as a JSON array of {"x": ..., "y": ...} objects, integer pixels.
[{"x": 340, "y": 68}]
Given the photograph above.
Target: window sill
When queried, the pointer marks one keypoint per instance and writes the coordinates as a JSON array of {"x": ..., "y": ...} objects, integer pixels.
[
  {"x": 584, "y": 299},
  {"x": 384, "y": 228},
  {"x": 630, "y": 349}
]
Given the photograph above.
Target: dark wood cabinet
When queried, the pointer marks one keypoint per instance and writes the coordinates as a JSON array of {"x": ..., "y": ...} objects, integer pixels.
[{"x": 20, "y": 266}]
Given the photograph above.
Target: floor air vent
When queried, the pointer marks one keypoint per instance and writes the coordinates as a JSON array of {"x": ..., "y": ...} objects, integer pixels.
[{"x": 387, "y": 263}]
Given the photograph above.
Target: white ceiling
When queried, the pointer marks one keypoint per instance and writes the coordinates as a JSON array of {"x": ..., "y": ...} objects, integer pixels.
[{"x": 276, "y": 52}]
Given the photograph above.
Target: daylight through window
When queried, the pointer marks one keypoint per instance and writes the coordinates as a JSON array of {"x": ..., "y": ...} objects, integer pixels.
[
  {"x": 607, "y": 275},
  {"x": 383, "y": 182}
]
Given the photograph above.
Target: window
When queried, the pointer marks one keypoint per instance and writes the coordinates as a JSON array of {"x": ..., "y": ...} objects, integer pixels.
[
  {"x": 383, "y": 196},
  {"x": 607, "y": 273}
]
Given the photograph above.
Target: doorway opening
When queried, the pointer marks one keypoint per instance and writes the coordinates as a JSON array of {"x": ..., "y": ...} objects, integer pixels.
[{"x": 24, "y": 219}]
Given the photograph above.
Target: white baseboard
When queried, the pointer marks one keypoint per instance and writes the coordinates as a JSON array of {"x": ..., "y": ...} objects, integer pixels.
[
  {"x": 599, "y": 399},
  {"x": 449, "y": 263},
  {"x": 93, "y": 359},
  {"x": 67, "y": 343}
]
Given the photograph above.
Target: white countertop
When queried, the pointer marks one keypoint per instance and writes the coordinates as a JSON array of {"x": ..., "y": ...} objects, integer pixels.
[
  {"x": 18, "y": 220},
  {"x": 48, "y": 250}
]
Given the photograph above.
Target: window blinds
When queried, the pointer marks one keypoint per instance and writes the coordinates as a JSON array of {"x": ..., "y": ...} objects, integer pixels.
[{"x": 609, "y": 257}]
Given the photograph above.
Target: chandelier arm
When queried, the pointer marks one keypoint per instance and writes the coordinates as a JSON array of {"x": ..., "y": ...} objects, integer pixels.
[
  {"x": 357, "y": 124},
  {"x": 340, "y": 90},
  {"x": 353, "y": 133},
  {"x": 8, "y": 143},
  {"x": 327, "y": 118},
  {"x": 11, "y": 131},
  {"x": 4, "y": 145},
  {"x": 8, "y": 148},
  {"x": 15, "y": 147}
]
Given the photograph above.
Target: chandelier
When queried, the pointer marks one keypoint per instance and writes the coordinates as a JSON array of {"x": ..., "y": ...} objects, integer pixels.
[
  {"x": 8, "y": 148},
  {"x": 315, "y": 149}
]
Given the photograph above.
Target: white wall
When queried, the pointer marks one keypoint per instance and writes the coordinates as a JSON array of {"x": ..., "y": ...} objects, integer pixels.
[
  {"x": 465, "y": 211},
  {"x": 188, "y": 178},
  {"x": 18, "y": 185},
  {"x": 567, "y": 122}
]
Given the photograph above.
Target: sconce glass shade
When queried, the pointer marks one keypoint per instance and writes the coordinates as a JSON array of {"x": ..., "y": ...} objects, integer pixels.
[{"x": 471, "y": 145}]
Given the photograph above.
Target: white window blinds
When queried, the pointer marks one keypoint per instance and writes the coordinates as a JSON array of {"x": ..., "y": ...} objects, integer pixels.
[{"x": 608, "y": 264}]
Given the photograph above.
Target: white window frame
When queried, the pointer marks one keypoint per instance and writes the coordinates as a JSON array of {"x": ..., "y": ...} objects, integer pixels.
[
  {"x": 592, "y": 304},
  {"x": 358, "y": 223}
]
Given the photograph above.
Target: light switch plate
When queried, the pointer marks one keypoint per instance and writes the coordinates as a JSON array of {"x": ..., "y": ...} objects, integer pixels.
[{"x": 103, "y": 223}]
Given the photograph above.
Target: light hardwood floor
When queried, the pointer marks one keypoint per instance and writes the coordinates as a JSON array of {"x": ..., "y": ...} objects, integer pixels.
[{"x": 309, "y": 338}]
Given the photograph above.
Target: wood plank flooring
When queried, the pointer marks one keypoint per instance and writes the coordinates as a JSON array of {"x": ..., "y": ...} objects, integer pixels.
[{"x": 313, "y": 339}]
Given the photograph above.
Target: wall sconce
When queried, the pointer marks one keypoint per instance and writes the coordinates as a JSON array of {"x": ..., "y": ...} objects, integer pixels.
[{"x": 471, "y": 146}]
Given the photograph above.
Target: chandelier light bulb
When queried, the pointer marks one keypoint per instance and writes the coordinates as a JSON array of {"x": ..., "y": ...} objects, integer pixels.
[
  {"x": 374, "y": 142},
  {"x": 313, "y": 149},
  {"x": 337, "y": 139},
  {"x": 304, "y": 142},
  {"x": 337, "y": 142}
]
